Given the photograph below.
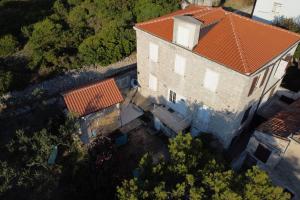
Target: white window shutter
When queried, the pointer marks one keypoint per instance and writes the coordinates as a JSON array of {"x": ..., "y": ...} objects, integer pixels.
[
  {"x": 180, "y": 63},
  {"x": 152, "y": 82},
  {"x": 281, "y": 69},
  {"x": 183, "y": 35},
  {"x": 153, "y": 52},
  {"x": 211, "y": 80},
  {"x": 204, "y": 114}
]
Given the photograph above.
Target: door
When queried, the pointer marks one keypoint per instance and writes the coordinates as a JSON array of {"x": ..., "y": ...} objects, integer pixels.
[{"x": 203, "y": 118}]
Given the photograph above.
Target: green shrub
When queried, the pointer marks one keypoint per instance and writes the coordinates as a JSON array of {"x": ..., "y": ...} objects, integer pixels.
[
  {"x": 6, "y": 80},
  {"x": 8, "y": 45},
  {"x": 77, "y": 16},
  {"x": 108, "y": 46}
]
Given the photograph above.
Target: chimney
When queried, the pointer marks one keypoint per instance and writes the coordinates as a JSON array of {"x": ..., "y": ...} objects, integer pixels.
[{"x": 186, "y": 31}]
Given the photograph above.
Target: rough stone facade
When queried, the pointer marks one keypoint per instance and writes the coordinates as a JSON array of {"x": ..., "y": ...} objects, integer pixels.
[{"x": 227, "y": 104}]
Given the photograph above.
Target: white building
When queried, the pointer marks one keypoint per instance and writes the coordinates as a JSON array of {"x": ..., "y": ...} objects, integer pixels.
[{"x": 268, "y": 10}]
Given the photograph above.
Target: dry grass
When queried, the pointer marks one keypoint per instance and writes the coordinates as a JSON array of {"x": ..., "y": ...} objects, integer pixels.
[{"x": 238, "y": 4}]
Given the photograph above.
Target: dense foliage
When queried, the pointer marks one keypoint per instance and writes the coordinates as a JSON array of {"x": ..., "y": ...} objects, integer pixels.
[
  {"x": 193, "y": 172},
  {"x": 58, "y": 35},
  {"x": 8, "y": 45},
  {"x": 26, "y": 169}
]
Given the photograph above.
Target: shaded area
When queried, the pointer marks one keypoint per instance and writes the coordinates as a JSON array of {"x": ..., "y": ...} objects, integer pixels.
[
  {"x": 16, "y": 14},
  {"x": 291, "y": 80}
]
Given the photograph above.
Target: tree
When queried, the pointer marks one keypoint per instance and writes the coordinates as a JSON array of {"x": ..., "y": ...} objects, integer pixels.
[
  {"x": 5, "y": 81},
  {"x": 8, "y": 45},
  {"x": 108, "y": 46},
  {"x": 45, "y": 43},
  {"x": 148, "y": 9},
  {"x": 289, "y": 24},
  {"x": 187, "y": 175},
  {"x": 77, "y": 17}
]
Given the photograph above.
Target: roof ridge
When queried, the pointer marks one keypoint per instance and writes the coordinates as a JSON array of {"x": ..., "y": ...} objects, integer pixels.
[
  {"x": 170, "y": 17},
  {"x": 211, "y": 11},
  {"x": 267, "y": 25},
  {"x": 87, "y": 86},
  {"x": 239, "y": 46}
]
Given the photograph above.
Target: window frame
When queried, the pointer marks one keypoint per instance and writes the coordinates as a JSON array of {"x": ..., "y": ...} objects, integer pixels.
[
  {"x": 267, "y": 152},
  {"x": 207, "y": 81},
  {"x": 179, "y": 64},
  {"x": 153, "y": 48},
  {"x": 253, "y": 85},
  {"x": 151, "y": 79},
  {"x": 172, "y": 96}
]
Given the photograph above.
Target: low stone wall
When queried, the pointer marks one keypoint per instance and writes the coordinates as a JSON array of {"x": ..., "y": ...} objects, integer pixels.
[{"x": 14, "y": 101}]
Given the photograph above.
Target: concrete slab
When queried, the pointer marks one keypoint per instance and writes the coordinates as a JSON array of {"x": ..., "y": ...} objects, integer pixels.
[{"x": 129, "y": 112}]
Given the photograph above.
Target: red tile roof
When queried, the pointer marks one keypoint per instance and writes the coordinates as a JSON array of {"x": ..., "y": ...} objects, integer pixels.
[
  {"x": 92, "y": 98},
  {"x": 284, "y": 123},
  {"x": 237, "y": 42}
]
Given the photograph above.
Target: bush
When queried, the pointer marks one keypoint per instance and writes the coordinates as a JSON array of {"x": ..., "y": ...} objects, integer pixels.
[
  {"x": 45, "y": 43},
  {"x": 8, "y": 45},
  {"x": 289, "y": 24},
  {"x": 190, "y": 174},
  {"x": 148, "y": 9},
  {"x": 5, "y": 81},
  {"x": 77, "y": 17},
  {"x": 108, "y": 46}
]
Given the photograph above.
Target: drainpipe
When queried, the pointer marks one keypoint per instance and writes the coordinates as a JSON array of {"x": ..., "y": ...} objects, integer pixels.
[{"x": 254, "y": 5}]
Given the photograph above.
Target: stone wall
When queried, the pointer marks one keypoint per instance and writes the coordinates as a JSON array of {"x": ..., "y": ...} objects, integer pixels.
[{"x": 224, "y": 103}]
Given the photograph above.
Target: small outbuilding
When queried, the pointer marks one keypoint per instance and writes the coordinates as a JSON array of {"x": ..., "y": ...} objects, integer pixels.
[
  {"x": 97, "y": 107},
  {"x": 275, "y": 147}
]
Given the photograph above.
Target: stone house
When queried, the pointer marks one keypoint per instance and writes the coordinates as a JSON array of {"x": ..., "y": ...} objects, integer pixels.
[
  {"x": 97, "y": 107},
  {"x": 208, "y": 70},
  {"x": 275, "y": 147}
]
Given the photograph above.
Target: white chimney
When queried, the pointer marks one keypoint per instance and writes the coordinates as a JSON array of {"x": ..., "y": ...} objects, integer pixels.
[{"x": 186, "y": 31}]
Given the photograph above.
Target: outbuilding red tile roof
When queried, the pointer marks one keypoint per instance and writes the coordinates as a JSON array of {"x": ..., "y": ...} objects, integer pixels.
[
  {"x": 284, "y": 123},
  {"x": 240, "y": 43},
  {"x": 92, "y": 98}
]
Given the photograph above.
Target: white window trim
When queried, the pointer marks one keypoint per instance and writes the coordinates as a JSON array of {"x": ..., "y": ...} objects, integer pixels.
[
  {"x": 153, "y": 82},
  {"x": 179, "y": 65},
  {"x": 153, "y": 52},
  {"x": 208, "y": 82},
  {"x": 183, "y": 36}
]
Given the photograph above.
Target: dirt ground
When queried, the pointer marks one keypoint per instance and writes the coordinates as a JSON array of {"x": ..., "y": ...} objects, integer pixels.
[
  {"x": 140, "y": 141},
  {"x": 240, "y": 6}
]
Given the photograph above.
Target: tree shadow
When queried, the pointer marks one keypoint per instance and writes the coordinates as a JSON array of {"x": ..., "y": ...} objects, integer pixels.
[{"x": 15, "y": 14}]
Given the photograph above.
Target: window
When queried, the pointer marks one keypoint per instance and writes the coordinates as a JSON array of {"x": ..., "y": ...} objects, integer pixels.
[
  {"x": 179, "y": 65},
  {"x": 153, "y": 52},
  {"x": 262, "y": 153},
  {"x": 152, "y": 82},
  {"x": 281, "y": 69},
  {"x": 264, "y": 77},
  {"x": 182, "y": 37},
  {"x": 253, "y": 86},
  {"x": 211, "y": 80},
  {"x": 246, "y": 115},
  {"x": 172, "y": 96}
]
